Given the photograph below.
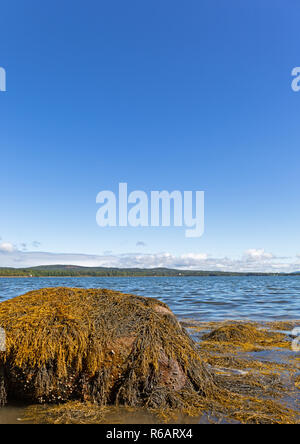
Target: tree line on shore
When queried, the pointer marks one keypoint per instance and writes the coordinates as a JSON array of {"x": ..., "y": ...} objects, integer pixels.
[{"x": 77, "y": 271}]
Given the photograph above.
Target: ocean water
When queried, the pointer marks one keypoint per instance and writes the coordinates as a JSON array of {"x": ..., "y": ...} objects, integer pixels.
[{"x": 200, "y": 298}]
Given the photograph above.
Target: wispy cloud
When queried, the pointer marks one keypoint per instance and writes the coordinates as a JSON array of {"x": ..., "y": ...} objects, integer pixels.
[
  {"x": 260, "y": 254},
  {"x": 141, "y": 244},
  {"x": 36, "y": 244}
]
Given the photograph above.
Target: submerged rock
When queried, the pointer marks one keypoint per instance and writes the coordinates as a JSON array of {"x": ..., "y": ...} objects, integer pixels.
[{"x": 98, "y": 346}]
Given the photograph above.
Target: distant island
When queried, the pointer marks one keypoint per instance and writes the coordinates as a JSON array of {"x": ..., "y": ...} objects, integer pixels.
[{"x": 77, "y": 271}]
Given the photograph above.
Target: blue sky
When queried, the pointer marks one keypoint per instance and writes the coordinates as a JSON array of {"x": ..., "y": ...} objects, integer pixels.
[{"x": 162, "y": 95}]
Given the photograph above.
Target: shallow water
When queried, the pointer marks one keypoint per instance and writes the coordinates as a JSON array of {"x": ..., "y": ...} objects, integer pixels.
[
  {"x": 210, "y": 298},
  {"x": 14, "y": 414},
  {"x": 11, "y": 414}
]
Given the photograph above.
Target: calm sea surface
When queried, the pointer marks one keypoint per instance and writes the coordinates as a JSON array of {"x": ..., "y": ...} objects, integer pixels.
[{"x": 200, "y": 298}]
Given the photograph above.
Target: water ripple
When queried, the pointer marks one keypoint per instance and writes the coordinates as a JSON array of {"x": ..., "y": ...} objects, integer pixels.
[{"x": 202, "y": 298}]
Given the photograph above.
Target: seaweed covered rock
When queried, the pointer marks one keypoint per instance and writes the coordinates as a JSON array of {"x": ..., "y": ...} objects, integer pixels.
[
  {"x": 245, "y": 334},
  {"x": 97, "y": 346}
]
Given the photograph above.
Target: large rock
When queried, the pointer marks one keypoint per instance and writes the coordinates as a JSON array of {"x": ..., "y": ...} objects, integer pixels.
[{"x": 100, "y": 346}]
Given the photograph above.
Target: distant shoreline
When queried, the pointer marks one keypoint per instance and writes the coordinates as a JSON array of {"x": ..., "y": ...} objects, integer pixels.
[
  {"x": 147, "y": 276},
  {"x": 72, "y": 271}
]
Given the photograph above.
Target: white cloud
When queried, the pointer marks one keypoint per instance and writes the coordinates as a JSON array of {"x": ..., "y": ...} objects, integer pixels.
[
  {"x": 259, "y": 254},
  {"x": 195, "y": 256},
  {"x": 253, "y": 260},
  {"x": 7, "y": 247}
]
